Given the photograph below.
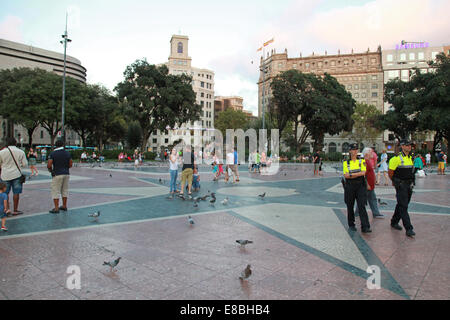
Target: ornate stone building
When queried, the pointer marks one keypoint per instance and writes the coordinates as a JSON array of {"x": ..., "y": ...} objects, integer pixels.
[{"x": 360, "y": 73}]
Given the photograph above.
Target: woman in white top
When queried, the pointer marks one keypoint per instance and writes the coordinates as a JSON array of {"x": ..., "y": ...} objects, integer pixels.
[
  {"x": 173, "y": 169},
  {"x": 383, "y": 168}
]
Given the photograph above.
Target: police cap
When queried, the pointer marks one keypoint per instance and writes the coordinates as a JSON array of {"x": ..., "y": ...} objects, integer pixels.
[
  {"x": 354, "y": 146},
  {"x": 405, "y": 142}
]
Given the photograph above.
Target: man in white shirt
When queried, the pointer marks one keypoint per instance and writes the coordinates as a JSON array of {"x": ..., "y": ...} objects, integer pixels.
[
  {"x": 230, "y": 163},
  {"x": 10, "y": 173},
  {"x": 428, "y": 159}
]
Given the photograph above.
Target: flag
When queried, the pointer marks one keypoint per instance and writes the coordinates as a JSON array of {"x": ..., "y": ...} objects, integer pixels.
[
  {"x": 268, "y": 42},
  {"x": 259, "y": 49}
]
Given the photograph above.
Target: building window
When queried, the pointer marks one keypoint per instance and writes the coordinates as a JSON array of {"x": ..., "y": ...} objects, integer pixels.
[
  {"x": 349, "y": 87},
  {"x": 373, "y": 60},
  {"x": 374, "y": 103},
  {"x": 155, "y": 140},
  {"x": 402, "y": 56},
  {"x": 374, "y": 94},
  {"x": 356, "y": 87},
  {"x": 393, "y": 74},
  {"x": 319, "y": 64},
  {"x": 356, "y": 95},
  {"x": 180, "y": 47},
  {"x": 374, "y": 77},
  {"x": 345, "y": 62},
  {"x": 166, "y": 140},
  {"x": 411, "y": 56},
  {"x": 202, "y": 84},
  {"x": 42, "y": 134},
  {"x": 363, "y": 86},
  {"x": 405, "y": 74},
  {"x": 433, "y": 55},
  {"x": 307, "y": 65},
  {"x": 363, "y": 95},
  {"x": 420, "y": 56},
  {"x": 389, "y": 57},
  {"x": 294, "y": 65},
  {"x": 374, "y": 86}
]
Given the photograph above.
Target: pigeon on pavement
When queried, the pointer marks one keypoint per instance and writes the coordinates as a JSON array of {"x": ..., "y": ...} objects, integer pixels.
[
  {"x": 110, "y": 175},
  {"x": 246, "y": 273},
  {"x": 381, "y": 203},
  {"x": 262, "y": 195},
  {"x": 191, "y": 221},
  {"x": 213, "y": 198},
  {"x": 205, "y": 197},
  {"x": 225, "y": 201},
  {"x": 94, "y": 215},
  {"x": 244, "y": 242},
  {"x": 112, "y": 264}
]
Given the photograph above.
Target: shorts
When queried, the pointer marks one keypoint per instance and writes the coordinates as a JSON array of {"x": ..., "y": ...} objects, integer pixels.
[
  {"x": 60, "y": 186},
  {"x": 316, "y": 166},
  {"x": 441, "y": 165},
  {"x": 15, "y": 184},
  {"x": 187, "y": 174},
  {"x": 234, "y": 169},
  {"x": 3, "y": 215},
  {"x": 32, "y": 161}
]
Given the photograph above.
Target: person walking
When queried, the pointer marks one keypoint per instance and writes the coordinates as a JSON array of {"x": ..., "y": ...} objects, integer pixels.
[
  {"x": 59, "y": 163},
  {"x": 355, "y": 189},
  {"x": 383, "y": 168},
  {"x": 236, "y": 165},
  {"x": 316, "y": 160},
  {"x": 11, "y": 159},
  {"x": 32, "y": 156},
  {"x": 401, "y": 172},
  {"x": 428, "y": 159},
  {"x": 173, "y": 169},
  {"x": 229, "y": 165},
  {"x": 370, "y": 178},
  {"x": 44, "y": 154},
  {"x": 441, "y": 163},
  {"x": 187, "y": 170}
]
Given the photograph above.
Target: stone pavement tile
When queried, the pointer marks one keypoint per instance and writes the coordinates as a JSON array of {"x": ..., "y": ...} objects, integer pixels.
[
  {"x": 157, "y": 287},
  {"x": 211, "y": 261},
  {"x": 325, "y": 291},
  {"x": 257, "y": 292},
  {"x": 95, "y": 263},
  {"x": 165, "y": 264},
  {"x": 310, "y": 267},
  {"x": 191, "y": 293},
  {"x": 284, "y": 284},
  {"x": 121, "y": 294},
  {"x": 57, "y": 293},
  {"x": 378, "y": 294},
  {"x": 25, "y": 286},
  {"x": 345, "y": 280},
  {"x": 142, "y": 255},
  {"x": 18, "y": 269},
  {"x": 435, "y": 284},
  {"x": 189, "y": 273},
  {"x": 93, "y": 286},
  {"x": 135, "y": 274},
  {"x": 58, "y": 271},
  {"x": 3, "y": 297}
]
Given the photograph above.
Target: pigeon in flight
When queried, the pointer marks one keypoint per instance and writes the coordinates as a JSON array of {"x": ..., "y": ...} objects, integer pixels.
[
  {"x": 112, "y": 264},
  {"x": 191, "y": 221},
  {"x": 262, "y": 195},
  {"x": 110, "y": 175},
  {"x": 244, "y": 242},
  {"x": 381, "y": 203},
  {"x": 95, "y": 215},
  {"x": 205, "y": 197},
  {"x": 181, "y": 196},
  {"x": 246, "y": 273},
  {"x": 225, "y": 201}
]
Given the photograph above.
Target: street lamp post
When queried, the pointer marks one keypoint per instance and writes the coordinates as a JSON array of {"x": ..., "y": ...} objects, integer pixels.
[{"x": 66, "y": 39}]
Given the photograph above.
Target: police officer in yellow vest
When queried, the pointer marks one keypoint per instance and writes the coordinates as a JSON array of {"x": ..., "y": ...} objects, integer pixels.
[
  {"x": 401, "y": 172},
  {"x": 355, "y": 189}
]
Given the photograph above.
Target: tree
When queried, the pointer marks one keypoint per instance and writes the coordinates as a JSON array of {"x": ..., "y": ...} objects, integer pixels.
[
  {"x": 21, "y": 98},
  {"x": 134, "y": 135},
  {"x": 230, "y": 119},
  {"x": 399, "y": 118},
  {"x": 157, "y": 99},
  {"x": 292, "y": 96},
  {"x": 364, "y": 128}
]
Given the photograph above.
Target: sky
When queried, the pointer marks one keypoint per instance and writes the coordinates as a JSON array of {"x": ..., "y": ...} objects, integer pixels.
[{"x": 108, "y": 35}]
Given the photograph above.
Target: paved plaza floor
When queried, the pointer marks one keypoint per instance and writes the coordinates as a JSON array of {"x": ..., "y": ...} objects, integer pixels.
[{"x": 302, "y": 248}]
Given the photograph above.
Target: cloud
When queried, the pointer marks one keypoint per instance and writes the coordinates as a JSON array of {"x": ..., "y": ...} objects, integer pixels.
[
  {"x": 237, "y": 85},
  {"x": 10, "y": 28}
]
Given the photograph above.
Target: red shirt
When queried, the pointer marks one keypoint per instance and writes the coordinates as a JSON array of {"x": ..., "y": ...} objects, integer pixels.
[{"x": 370, "y": 175}]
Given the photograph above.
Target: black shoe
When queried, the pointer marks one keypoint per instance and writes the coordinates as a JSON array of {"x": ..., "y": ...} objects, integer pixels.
[
  {"x": 396, "y": 226},
  {"x": 352, "y": 228},
  {"x": 62, "y": 208},
  {"x": 366, "y": 230},
  {"x": 54, "y": 211},
  {"x": 410, "y": 233}
]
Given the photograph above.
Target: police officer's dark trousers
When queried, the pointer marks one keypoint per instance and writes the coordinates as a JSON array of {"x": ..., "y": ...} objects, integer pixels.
[
  {"x": 403, "y": 192},
  {"x": 356, "y": 191}
]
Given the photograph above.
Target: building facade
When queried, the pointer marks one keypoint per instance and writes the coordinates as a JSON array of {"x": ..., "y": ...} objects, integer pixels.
[
  {"x": 17, "y": 55},
  {"x": 203, "y": 85},
  {"x": 360, "y": 73},
  {"x": 399, "y": 63},
  {"x": 234, "y": 102}
]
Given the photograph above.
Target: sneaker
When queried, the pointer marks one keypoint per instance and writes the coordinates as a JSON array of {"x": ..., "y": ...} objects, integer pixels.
[
  {"x": 366, "y": 230},
  {"x": 352, "y": 228},
  {"x": 4, "y": 229},
  {"x": 54, "y": 211},
  {"x": 410, "y": 233},
  {"x": 378, "y": 216},
  {"x": 63, "y": 208},
  {"x": 396, "y": 226}
]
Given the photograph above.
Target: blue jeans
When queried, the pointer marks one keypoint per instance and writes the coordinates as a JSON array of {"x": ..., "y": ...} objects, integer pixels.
[
  {"x": 15, "y": 185},
  {"x": 195, "y": 183},
  {"x": 372, "y": 200},
  {"x": 173, "y": 180}
]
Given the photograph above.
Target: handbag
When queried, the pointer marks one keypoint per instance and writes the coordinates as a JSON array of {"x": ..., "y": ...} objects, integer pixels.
[{"x": 23, "y": 178}]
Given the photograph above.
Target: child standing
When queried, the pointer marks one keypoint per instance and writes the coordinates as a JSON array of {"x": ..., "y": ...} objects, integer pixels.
[
  {"x": 196, "y": 180},
  {"x": 3, "y": 205},
  {"x": 215, "y": 170}
]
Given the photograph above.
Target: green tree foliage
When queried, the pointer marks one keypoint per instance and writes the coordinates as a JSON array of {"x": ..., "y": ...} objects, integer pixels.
[
  {"x": 364, "y": 128},
  {"x": 231, "y": 119},
  {"x": 157, "y": 99},
  {"x": 319, "y": 103},
  {"x": 134, "y": 135}
]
